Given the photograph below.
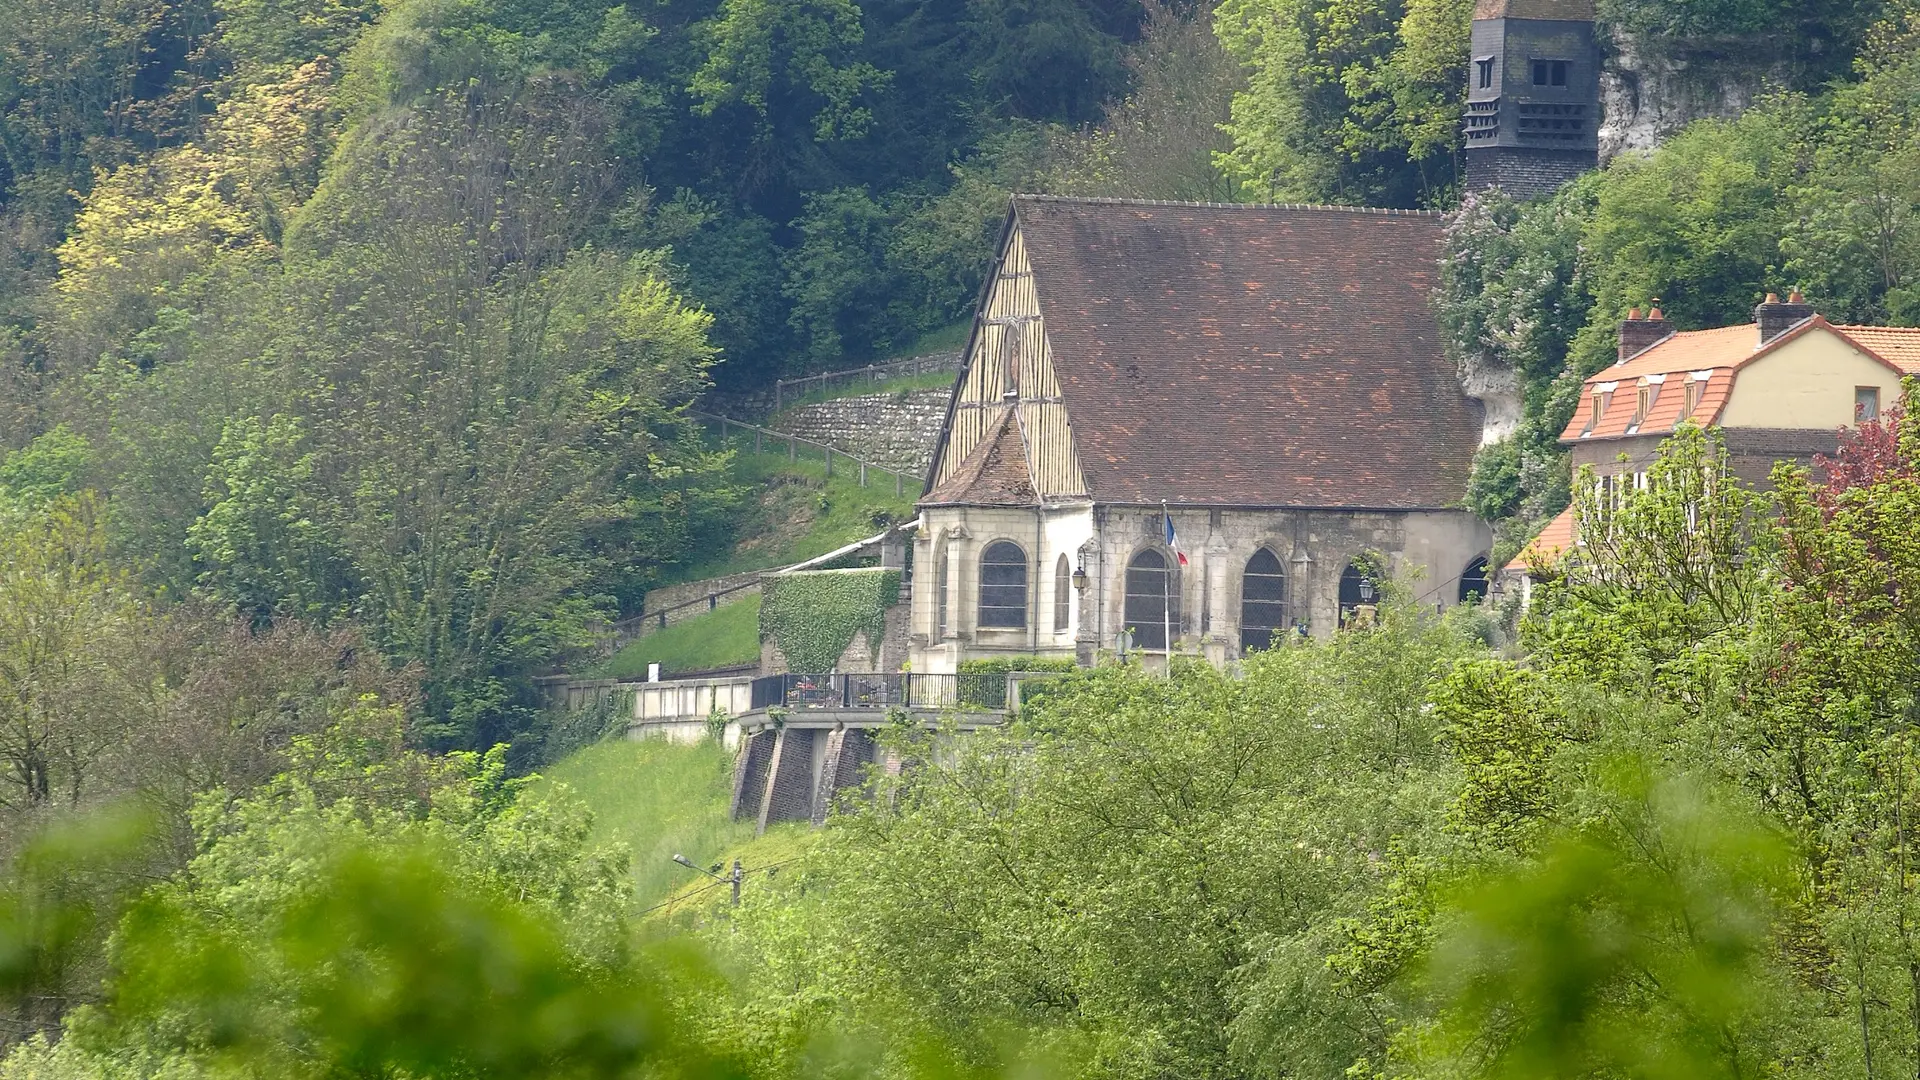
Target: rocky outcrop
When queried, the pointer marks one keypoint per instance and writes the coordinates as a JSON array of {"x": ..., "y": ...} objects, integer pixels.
[
  {"x": 1497, "y": 388},
  {"x": 1649, "y": 93},
  {"x": 897, "y": 430}
]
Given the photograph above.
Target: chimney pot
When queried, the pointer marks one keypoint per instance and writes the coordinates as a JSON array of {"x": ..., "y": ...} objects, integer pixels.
[
  {"x": 1773, "y": 318},
  {"x": 1637, "y": 334}
]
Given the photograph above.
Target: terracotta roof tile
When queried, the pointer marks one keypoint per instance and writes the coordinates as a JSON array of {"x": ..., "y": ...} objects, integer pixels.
[
  {"x": 1689, "y": 350},
  {"x": 1251, "y": 355},
  {"x": 1545, "y": 549},
  {"x": 1664, "y": 413},
  {"x": 1898, "y": 345},
  {"x": 995, "y": 474},
  {"x": 1721, "y": 351}
]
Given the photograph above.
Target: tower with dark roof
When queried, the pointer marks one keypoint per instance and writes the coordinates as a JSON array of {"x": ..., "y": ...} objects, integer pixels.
[{"x": 1533, "y": 95}]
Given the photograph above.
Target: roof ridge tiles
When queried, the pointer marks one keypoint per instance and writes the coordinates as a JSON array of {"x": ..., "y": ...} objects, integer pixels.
[{"x": 1105, "y": 200}]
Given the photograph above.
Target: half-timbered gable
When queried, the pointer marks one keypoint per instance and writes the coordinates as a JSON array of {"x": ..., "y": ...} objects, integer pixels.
[{"x": 1009, "y": 363}]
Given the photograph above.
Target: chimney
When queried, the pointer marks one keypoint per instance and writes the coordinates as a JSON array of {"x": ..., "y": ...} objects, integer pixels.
[
  {"x": 1775, "y": 318},
  {"x": 1638, "y": 334}
]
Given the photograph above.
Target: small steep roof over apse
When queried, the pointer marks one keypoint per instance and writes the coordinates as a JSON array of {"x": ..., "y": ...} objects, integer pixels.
[
  {"x": 995, "y": 474},
  {"x": 1234, "y": 355}
]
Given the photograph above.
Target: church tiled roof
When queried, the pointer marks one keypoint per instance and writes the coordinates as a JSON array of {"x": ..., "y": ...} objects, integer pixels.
[
  {"x": 995, "y": 474},
  {"x": 1232, "y": 355}
]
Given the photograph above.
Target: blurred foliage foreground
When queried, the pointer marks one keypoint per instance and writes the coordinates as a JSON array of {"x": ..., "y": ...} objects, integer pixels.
[{"x": 1657, "y": 826}]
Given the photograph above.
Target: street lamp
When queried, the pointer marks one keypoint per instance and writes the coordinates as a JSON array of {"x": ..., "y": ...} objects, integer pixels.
[
  {"x": 732, "y": 879},
  {"x": 1080, "y": 581}
]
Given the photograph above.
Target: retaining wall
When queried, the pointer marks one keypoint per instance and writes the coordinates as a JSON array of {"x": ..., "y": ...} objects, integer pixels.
[{"x": 897, "y": 430}]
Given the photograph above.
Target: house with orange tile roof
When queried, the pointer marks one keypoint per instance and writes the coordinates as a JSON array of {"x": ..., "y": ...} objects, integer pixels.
[{"x": 1778, "y": 389}]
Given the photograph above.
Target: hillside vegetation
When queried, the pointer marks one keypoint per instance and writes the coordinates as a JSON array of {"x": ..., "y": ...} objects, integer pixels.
[{"x": 347, "y": 349}]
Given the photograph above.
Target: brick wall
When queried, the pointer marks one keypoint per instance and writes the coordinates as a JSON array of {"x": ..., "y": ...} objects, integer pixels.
[
  {"x": 849, "y": 750},
  {"x": 1526, "y": 173},
  {"x": 897, "y": 430},
  {"x": 789, "y": 794},
  {"x": 750, "y": 774}
]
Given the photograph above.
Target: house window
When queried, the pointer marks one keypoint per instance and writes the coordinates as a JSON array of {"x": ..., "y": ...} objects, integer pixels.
[
  {"x": 1550, "y": 72},
  {"x": 1866, "y": 404},
  {"x": 1062, "y": 595},
  {"x": 1263, "y": 601},
  {"x": 1150, "y": 603},
  {"x": 1483, "y": 72},
  {"x": 1643, "y": 401},
  {"x": 1473, "y": 581},
  {"x": 1358, "y": 596},
  {"x": 1003, "y": 586}
]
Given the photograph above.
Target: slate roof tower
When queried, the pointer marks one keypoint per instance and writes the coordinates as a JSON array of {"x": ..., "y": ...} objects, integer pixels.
[{"x": 1533, "y": 95}]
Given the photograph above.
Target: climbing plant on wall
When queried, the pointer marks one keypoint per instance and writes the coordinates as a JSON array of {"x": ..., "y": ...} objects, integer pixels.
[{"x": 812, "y": 617}]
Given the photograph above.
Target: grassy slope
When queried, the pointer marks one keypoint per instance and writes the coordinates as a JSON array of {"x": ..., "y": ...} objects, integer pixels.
[
  {"x": 847, "y": 515},
  {"x": 730, "y": 635},
  {"x": 762, "y": 860},
  {"x": 658, "y": 798}
]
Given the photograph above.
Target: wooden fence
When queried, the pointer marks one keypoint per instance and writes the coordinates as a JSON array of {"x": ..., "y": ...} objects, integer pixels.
[
  {"x": 785, "y": 390},
  {"x": 764, "y": 436}
]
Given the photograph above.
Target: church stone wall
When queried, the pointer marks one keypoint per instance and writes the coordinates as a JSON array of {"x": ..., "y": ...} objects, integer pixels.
[
  {"x": 958, "y": 536},
  {"x": 1426, "y": 551}
]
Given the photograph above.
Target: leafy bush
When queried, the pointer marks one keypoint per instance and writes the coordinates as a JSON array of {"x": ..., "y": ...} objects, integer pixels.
[{"x": 813, "y": 615}]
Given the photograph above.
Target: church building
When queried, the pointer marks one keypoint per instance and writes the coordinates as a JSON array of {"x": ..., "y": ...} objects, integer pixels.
[{"x": 1195, "y": 428}]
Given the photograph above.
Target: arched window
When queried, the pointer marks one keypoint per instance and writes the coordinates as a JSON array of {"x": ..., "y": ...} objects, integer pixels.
[
  {"x": 1357, "y": 593},
  {"x": 1062, "y": 594},
  {"x": 1151, "y": 603},
  {"x": 940, "y": 589},
  {"x": 1263, "y": 601},
  {"x": 1003, "y": 586},
  {"x": 1473, "y": 580}
]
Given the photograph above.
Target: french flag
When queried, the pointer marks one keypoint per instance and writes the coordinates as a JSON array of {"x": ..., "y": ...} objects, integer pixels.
[{"x": 1172, "y": 541}]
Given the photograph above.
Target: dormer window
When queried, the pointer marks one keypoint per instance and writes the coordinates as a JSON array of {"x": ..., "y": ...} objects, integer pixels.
[
  {"x": 1690, "y": 402},
  {"x": 1599, "y": 407},
  {"x": 1643, "y": 400},
  {"x": 1483, "y": 72}
]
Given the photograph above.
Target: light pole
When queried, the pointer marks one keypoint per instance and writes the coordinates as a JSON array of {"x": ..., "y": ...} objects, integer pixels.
[{"x": 734, "y": 879}]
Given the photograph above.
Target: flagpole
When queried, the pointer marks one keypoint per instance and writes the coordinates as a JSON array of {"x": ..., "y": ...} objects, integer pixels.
[{"x": 1166, "y": 590}]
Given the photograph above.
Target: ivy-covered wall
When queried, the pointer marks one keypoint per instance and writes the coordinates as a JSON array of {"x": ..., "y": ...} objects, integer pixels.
[{"x": 812, "y": 616}]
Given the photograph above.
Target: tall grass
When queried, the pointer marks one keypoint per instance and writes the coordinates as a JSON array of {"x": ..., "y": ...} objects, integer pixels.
[
  {"x": 659, "y": 799},
  {"x": 721, "y": 638}
]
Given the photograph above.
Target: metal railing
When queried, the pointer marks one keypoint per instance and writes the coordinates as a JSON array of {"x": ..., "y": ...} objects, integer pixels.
[
  {"x": 800, "y": 692},
  {"x": 634, "y": 627},
  {"x": 783, "y": 389},
  {"x": 763, "y": 436}
]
